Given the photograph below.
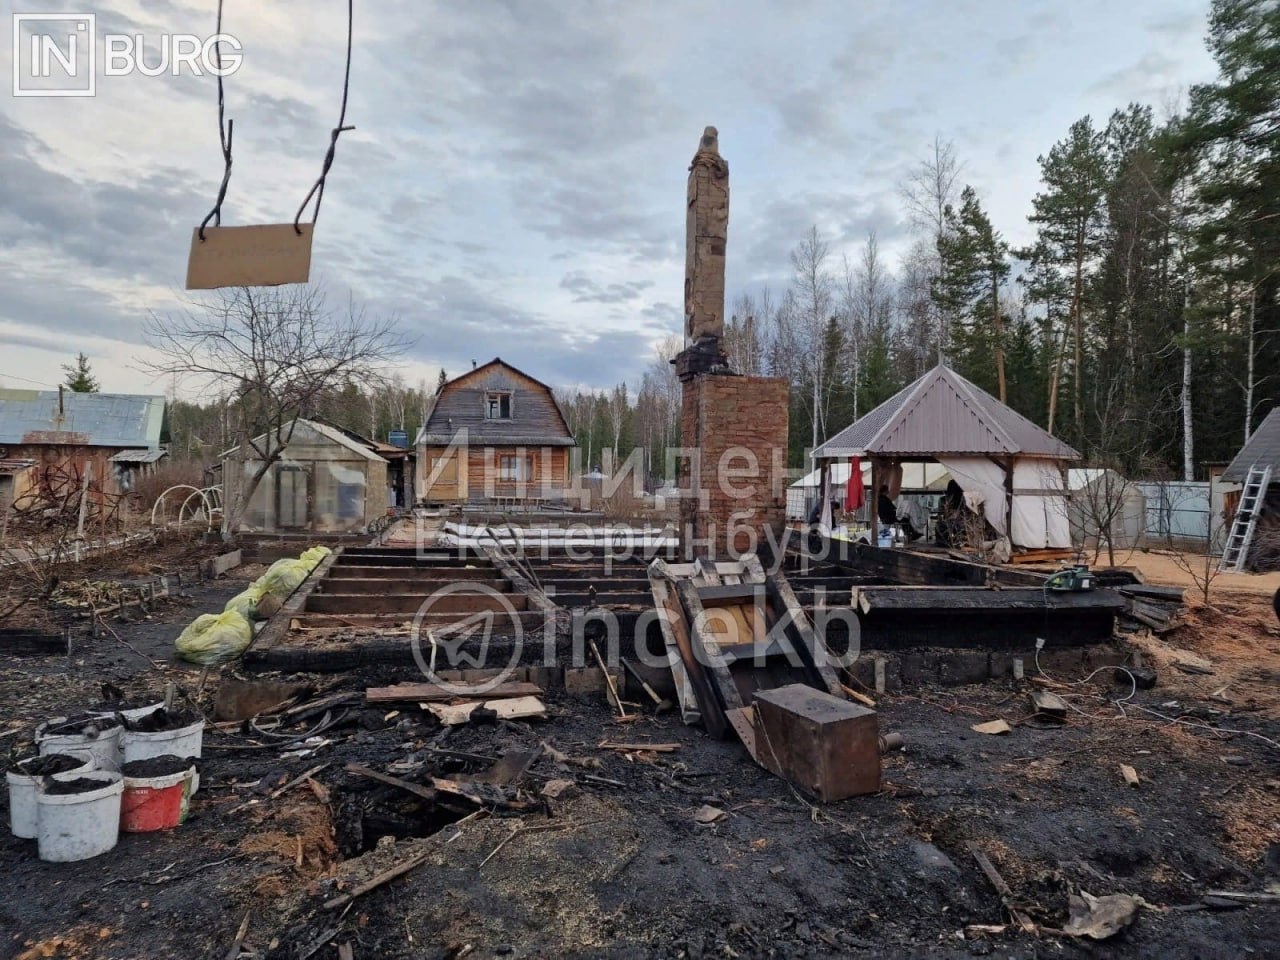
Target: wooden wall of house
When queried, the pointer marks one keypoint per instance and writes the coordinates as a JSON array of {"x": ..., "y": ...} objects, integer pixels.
[
  {"x": 461, "y": 405},
  {"x": 473, "y": 472},
  {"x": 55, "y": 459}
]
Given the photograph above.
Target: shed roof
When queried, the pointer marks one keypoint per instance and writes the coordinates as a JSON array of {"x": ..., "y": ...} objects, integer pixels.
[
  {"x": 326, "y": 431},
  {"x": 1262, "y": 448},
  {"x": 39, "y": 417},
  {"x": 139, "y": 456},
  {"x": 944, "y": 414}
]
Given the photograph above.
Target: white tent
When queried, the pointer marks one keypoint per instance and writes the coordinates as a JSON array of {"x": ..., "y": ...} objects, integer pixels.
[{"x": 1105, "y": 508}]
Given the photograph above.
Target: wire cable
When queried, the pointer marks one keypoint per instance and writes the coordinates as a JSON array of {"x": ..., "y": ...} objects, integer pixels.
[
  {"x": 1219, "y": 732},
  {"x": 226, "y": 129},
  {"x": 317, "y": 189}
]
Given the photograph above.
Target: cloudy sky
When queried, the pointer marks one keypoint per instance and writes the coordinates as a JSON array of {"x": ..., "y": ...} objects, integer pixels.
[{"x": 515, "y": 184}]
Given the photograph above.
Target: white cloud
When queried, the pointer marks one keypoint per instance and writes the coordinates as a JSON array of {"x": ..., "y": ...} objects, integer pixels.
[{"x": 515, "y": 182}]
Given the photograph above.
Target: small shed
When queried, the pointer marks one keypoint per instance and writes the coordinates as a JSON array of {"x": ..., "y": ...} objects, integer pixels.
[
  {"x": 1009, "y": 467},
  {"x": 325, "y": 482},
  {"x": 1261, "y": 450},
  {"x": 130, "y": 466},
  {"x": 1107, "y": 509}
]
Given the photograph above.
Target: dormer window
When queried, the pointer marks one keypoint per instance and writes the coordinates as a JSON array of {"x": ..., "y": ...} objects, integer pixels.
[{"x": 497, "y": 406}]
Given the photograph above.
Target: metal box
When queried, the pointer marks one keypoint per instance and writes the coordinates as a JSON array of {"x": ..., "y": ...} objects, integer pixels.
[{"x": 826, "y": 746}]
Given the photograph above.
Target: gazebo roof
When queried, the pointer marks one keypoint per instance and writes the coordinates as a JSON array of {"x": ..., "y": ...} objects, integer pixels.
[{"x": 943, "y": 414}]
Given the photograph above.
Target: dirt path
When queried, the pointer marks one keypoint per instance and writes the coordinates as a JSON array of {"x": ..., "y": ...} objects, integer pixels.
[{"x": 1161, "y": 568}]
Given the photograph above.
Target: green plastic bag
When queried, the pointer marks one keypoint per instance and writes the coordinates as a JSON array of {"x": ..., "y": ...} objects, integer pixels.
[
  {"x": 246, "y": 601},
  {"x": 214, "y": 638},
  {"x": 313, "y": 555},
  {"x": 283, "y": 577}
]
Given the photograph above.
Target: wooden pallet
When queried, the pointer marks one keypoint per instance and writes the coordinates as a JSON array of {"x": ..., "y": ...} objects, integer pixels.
[{"x": 732, "y": 630}]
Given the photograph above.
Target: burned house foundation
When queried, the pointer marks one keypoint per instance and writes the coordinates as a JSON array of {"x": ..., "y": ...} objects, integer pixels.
[{"x": 534, "y": 617}]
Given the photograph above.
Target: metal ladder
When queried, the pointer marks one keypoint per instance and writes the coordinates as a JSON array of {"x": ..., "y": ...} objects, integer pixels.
[{"x": 1236, "y": 551}]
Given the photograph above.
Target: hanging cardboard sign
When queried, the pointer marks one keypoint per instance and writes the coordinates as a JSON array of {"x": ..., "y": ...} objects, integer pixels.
[{"x": 265, "y": 255}]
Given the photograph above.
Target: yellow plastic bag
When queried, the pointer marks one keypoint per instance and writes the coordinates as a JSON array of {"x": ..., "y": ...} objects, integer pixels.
[
  {"x": 214, "y": 638},
  {"x": 246, "y": 601},
  {"x": 313, "y": 555},
  {"x": 283, "y": 577}
]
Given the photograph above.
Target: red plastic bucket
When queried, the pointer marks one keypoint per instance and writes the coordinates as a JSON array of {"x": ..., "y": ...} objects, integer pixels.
[{"x": 155, "y": 803}]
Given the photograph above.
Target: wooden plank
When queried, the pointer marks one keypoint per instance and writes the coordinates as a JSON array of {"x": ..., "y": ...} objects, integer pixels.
[
  {"x": 729, "y": 592},
  {"x": 799, "y": 631},
  {"x": 424, "y": 793},
  {"x": 906, "y": 566},
  {"x": 639, "y": 747},
  {"x": 979, "y": 599},
  {"x": 518, "y": 708},
  {"x": 675, "y": 638},
  {"x": 217, "y": 566},
  {"x": 410, "y": 603},
  {"x": 1041, "y": 556},
  {"x": 1149, "y": 591},
  {"x": 725, "y": 694},
  {"x": 430, "y": 692}
]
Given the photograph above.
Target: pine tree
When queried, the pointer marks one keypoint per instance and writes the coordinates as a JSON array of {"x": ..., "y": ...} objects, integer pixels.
[
  {"x": 1233, "y": 132},
  {"x": 975, "y": 267},
  {"x": 441, "y": 380},
  {"x": 80, "y": 378},
  {"x": 1069, "y": 214}
]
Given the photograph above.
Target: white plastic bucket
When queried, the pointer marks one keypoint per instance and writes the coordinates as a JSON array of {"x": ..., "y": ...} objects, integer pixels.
[
  {"x": 22, "y": 798},
  {"x": 103, "y": 748},
  {"x": 184, "y": 742},
  {"x": 133, "y": 713},
  {"x": 77, "y": 826}
]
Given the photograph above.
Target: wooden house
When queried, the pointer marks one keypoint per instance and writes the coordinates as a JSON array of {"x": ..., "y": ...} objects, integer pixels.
[
  {"x": 494, "y": 434},
  {"x": 113, "y": 437},
  {"x": 325, "y": 482}
]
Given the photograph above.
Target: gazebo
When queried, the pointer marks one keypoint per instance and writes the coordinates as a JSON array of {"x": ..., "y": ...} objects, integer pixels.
[{"x": 1009, "y": 468}]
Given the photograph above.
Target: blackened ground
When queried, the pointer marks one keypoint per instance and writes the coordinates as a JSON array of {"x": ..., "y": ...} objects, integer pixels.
[{"x": 626, "y": 871}]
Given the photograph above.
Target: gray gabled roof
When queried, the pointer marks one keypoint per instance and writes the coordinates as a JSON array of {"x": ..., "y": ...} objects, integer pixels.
[
  {"x": 537, "y": 419},
  {"x": 38, "y": 417},
  {"x": 942, "y": 413},
  {"x": 1263, "y": 448}
]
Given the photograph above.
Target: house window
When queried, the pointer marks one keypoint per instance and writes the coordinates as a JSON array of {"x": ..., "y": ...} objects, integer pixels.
[
  {"x": 497, "y": 406},
  {"x": 513, "y": 469}
]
